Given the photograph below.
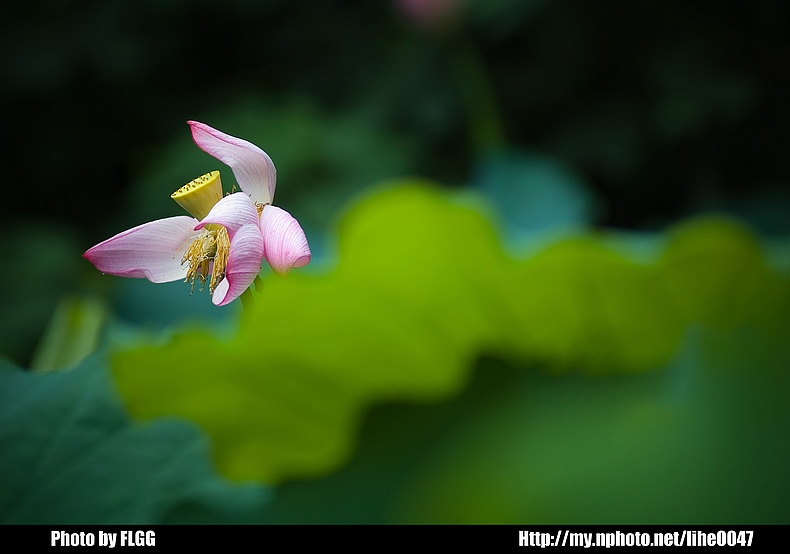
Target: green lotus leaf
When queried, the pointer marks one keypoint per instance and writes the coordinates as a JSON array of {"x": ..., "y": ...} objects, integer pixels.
[
  {"x": 422, "y": 288},
  {"x": 69, "y": 455}
]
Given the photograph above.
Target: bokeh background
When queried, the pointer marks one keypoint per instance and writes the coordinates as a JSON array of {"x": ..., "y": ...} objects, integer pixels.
[{"x": 550, "y": 278}]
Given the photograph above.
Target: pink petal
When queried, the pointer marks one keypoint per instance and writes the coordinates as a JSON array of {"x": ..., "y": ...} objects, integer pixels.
[
  {"x": 430, "y": 13},
  {"x": 244, "y": 264},
  {"x": 252, "y": 167},
  {"x": 152, "y": 250},
  {"x": 285, "y": 245},
  {"x": 232, "y": 212}
]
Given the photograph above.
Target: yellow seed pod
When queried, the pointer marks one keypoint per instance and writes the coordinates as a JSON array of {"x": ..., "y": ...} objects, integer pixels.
[{"x": 199, "y": 195}]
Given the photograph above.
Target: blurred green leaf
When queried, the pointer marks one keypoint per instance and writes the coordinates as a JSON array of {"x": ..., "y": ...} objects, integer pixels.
[
  {"x": 534, "y": 194},
  {"x": 69, "y": 455},
  {"x": 702, "y": 440},
  {"x": 284, "y": 397},
  {"x": 421, "y": 289},
  {"x": 72, "y": 334},
  {"x": 716, "y": 274}
]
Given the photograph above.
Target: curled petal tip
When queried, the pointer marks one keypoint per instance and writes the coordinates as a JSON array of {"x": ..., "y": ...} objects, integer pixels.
[
  {"x": 252, "y": 167},
  {"x": 284, "y": 241}
]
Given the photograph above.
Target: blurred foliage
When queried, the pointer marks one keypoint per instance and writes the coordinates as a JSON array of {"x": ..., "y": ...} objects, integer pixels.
[
  {"x": 662, "y": 105},
  {"x": 534, "y": 195},
  {"x": 45, "y": 266},
  {"x": 73, "y": 333},
  {"x": 421, "y": 288},
  {"x": 284, "y": 398},
  {"x": 701, "y": 440},
  {"x": 69, "y": 455}
]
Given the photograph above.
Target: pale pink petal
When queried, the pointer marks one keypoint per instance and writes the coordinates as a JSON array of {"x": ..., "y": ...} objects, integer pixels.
[
  {"x": 252, "y": 167},
  {"x": 430, "y": 13},
  {"x": 152, "y": 250},
  {"x": 232, "y": 212},
  {"x": 244, "y": 264},
  {"x": 284, "y": 243}
]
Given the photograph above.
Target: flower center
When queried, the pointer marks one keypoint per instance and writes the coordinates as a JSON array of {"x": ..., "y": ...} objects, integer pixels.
[
  {"x": 199, "y": 195},
  {"x": 207, "y": 256}
]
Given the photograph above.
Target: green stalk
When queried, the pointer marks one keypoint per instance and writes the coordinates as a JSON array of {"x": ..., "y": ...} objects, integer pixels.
[{"x": 476, "y": 91}]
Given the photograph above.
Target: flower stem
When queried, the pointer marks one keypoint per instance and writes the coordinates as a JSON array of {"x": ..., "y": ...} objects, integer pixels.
[
  {"x": 247, "y": 301},
  {"x": 477, "y": 94},
  {"x": 258, "y": 283}
]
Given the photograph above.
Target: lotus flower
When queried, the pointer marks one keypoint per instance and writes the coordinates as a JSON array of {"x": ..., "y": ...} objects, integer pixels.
[
  {"x": 430, "y": 13},
  {"x": 227, "y": 239}
]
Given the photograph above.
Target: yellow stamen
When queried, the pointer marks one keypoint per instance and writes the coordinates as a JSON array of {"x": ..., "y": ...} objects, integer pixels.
[
  {"x": 208, "y": 254},
  {"x": 199, "y": 195},
  {"x": 220, "y": 258}
]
